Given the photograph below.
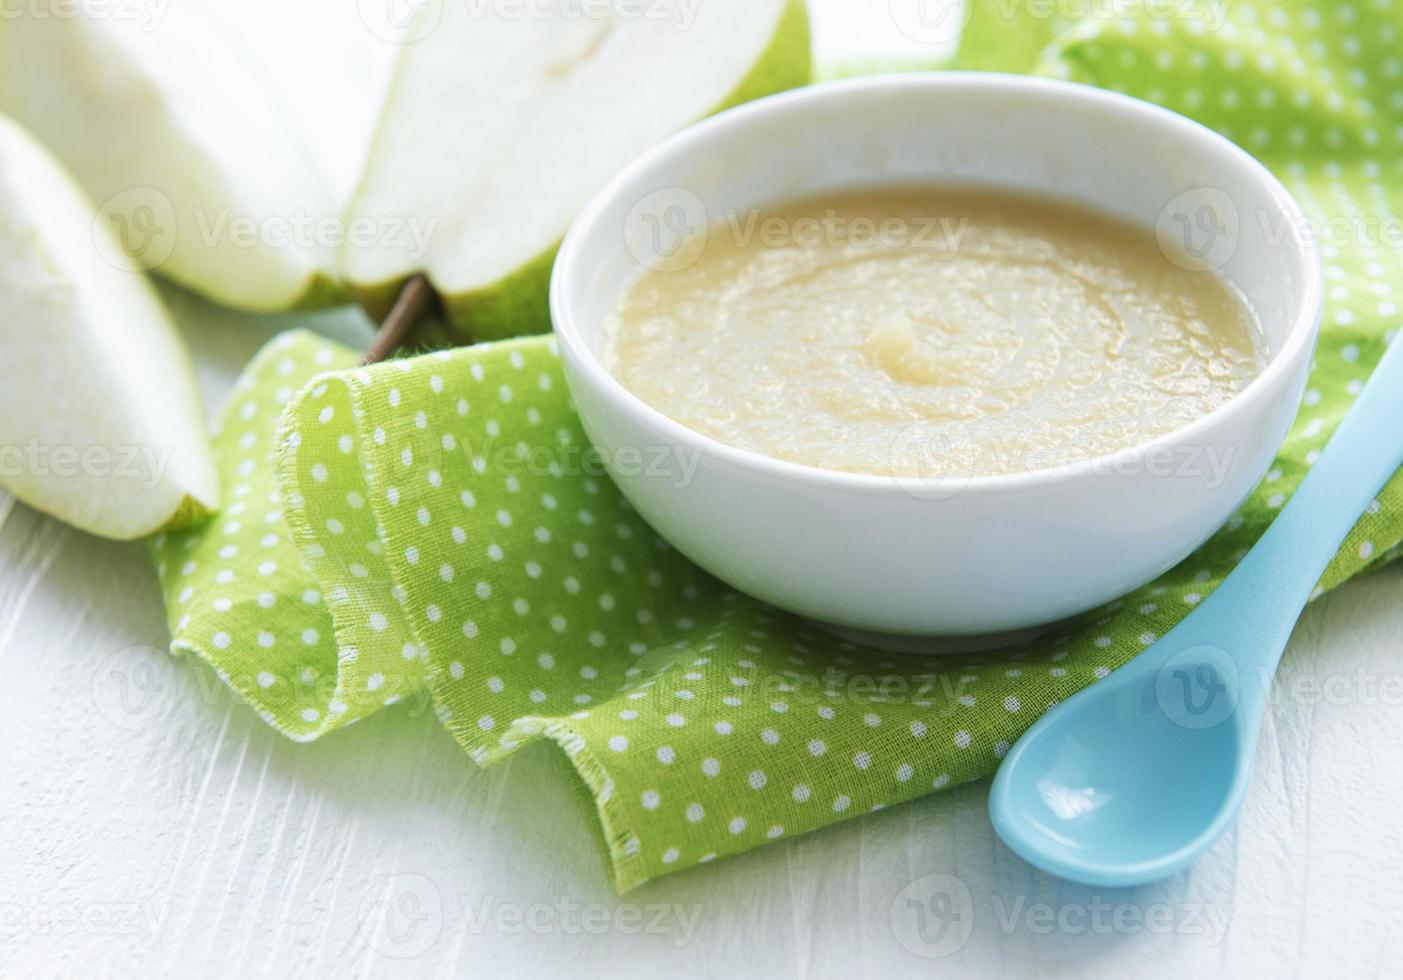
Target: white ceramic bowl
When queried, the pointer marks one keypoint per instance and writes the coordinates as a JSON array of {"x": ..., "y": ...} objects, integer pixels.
[{"x": 963, "y": 558}]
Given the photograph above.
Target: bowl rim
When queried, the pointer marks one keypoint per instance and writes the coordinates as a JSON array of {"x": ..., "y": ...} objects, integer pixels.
[{"x": 1299, "y": 342}]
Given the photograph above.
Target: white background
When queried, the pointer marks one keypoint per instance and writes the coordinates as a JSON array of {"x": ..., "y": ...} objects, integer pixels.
[{"x": 150, "y": 825}]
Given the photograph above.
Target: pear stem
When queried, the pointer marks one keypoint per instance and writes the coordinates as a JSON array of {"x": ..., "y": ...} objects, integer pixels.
[{"x": 411, "y": 304}]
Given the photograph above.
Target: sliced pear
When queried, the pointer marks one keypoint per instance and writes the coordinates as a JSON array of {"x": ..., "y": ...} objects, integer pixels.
[
  {"x": 179, "y": 142},
  {"x": 503, "y": 119},
  {"x": 100, "y": 423}
]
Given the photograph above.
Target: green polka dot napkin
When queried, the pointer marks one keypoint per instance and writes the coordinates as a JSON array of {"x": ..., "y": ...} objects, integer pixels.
[{"x": 438, "y": 525}]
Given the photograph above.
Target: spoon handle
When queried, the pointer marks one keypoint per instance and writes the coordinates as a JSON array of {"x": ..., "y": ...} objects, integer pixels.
[{"x": 1251, "y": 614}]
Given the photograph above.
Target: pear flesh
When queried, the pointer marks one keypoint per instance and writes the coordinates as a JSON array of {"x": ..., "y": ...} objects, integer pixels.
[
  {"x": 100, "y": 422},
  {"x": 178, "y": 140},
  {"x": 503, "y": 120}
]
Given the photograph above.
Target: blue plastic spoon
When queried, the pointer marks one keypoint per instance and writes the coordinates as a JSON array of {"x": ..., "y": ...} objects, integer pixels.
[{"x": 1130, "y": 780}]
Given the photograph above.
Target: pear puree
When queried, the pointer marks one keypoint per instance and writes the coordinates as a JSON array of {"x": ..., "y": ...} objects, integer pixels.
[{"x": 930, "y": 331}]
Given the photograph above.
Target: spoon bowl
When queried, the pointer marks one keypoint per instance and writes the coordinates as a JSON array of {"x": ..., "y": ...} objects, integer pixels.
[{"x": 1117, "y": 789}]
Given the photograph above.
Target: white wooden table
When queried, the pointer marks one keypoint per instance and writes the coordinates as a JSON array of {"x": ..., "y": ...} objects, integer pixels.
[{"x": 151, "y": 826}]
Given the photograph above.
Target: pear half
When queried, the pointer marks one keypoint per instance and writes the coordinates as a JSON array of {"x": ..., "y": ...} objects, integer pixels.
[
  {"x": 179, "y": 143},
  {"x": 100, "y": 423},
  {"x": 504, "y": 118}
]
